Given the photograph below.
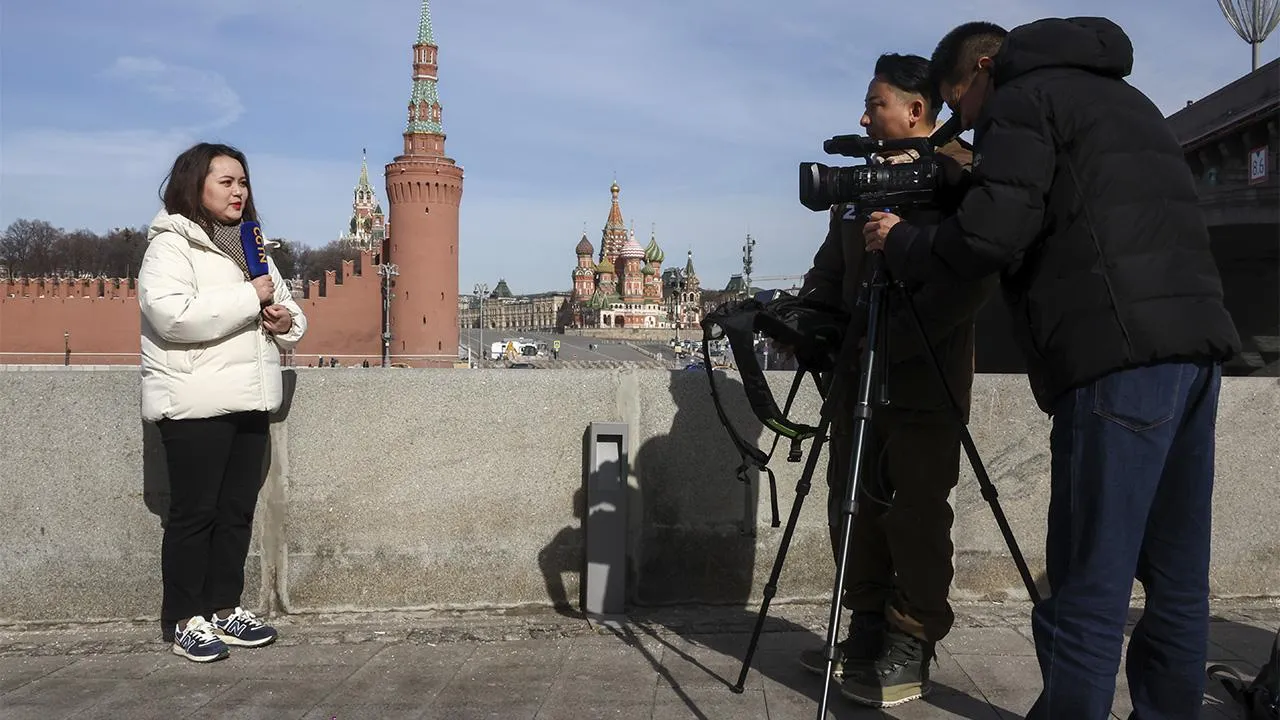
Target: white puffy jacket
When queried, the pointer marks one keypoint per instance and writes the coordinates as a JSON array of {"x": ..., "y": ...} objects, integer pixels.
[{"x": 204, "y": 351}]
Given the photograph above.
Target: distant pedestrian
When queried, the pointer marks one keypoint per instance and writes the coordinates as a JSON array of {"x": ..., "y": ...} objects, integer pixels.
[{"x": 211, "y": 343}]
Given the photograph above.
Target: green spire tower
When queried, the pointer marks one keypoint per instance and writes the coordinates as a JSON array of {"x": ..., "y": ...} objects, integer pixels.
[
  {"x": 424, "y": 101},
  {"x": 424, "y": 192},
  {"x": 424, "y": 25}
]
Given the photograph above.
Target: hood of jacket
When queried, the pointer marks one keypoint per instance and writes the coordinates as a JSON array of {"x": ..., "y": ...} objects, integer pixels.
[
  {"x": 1093, "y": 44},
  {"x": 165, "y": 222}
]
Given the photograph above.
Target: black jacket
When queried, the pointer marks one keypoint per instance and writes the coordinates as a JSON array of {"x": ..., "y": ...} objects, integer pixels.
[
  {"x": 946, "y": 310},
  {"x": 1082, "y": 200}
]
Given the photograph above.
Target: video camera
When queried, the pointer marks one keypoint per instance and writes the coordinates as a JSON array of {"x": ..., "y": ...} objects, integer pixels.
[{"x": 913, "y": 184}]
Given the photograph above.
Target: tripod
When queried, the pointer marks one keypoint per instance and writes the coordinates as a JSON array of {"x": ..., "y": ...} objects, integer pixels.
[{"x": 873, "y": 299}]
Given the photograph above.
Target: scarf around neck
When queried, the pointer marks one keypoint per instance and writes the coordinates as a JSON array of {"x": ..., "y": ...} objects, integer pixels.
[{"x": 227, "y": 239}]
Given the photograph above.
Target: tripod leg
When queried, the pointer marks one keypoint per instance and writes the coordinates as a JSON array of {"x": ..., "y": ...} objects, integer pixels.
[
  {"x": 771, "y": 586},
  {"x": 988, "y": 489},
  {"x": 849, "y": 507}
]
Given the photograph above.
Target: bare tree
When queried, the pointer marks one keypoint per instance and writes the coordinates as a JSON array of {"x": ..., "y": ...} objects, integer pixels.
[
  {"x": 311, "y": 263},
  {"x": 27, "y": 247},
  {"x": 35, "y": 248},
  {"x": 79, "y": 253},
  {"x": 124, "y": 248}
]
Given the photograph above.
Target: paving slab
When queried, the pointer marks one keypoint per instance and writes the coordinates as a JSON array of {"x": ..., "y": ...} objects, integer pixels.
[{"x": 537, "y": 665}]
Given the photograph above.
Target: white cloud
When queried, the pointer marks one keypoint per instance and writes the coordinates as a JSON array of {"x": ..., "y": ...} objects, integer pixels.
[
  {"x": 185, "y": 87},
  {"x": 99, "y": 180}
]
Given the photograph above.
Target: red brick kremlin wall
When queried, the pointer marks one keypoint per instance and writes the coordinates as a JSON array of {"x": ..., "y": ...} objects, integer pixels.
[{"x": 101, "y": 319}]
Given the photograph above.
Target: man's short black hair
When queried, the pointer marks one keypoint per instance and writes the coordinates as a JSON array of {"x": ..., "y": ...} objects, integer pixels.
[
  {"x": 960, "y": 49},
  {"x": 910, "y": 73}
]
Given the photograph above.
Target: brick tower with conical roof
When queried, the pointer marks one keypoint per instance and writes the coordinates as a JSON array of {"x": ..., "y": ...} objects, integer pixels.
[{"x": 424, "y": 191}]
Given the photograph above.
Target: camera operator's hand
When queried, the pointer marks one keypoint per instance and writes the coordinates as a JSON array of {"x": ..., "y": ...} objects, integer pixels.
[
  {"x": 900, "y": 157},
  {"x": 876, "y": 231}
]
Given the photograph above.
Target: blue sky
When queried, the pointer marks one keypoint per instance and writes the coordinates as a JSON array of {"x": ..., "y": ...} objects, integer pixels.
[{"x": 700, "y": 108}]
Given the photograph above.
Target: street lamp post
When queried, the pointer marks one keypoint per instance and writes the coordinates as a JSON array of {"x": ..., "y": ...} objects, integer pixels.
[
  {"x": 678, "y": 281},
  {"x": 387, "y": 271},
  {"x": 481, "y": 289}
]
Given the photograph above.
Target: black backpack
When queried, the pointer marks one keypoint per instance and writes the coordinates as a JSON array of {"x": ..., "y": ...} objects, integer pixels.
[
  {"x": 813, "y": 330},
  {"x": 1260, "y": 699}
]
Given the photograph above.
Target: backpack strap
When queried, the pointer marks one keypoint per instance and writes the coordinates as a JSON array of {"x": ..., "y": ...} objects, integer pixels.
[
  {"x": 1260, "y": 699},
  {"x": 753, "y": 380},
  {"x": 1267, "y": 684},
  {"x": 1231, "y": 681},
  {"x": 739, "y": 329}
]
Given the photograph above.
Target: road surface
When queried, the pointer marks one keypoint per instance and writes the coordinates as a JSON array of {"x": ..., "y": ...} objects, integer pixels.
[{"x": 572, "y": 347}]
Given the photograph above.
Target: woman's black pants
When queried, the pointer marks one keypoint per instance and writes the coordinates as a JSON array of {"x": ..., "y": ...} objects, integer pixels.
[{"x": 216, "y": 467}]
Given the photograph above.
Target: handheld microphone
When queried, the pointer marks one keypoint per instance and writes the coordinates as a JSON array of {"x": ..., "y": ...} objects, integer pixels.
[{"x": 255, "y": 248}]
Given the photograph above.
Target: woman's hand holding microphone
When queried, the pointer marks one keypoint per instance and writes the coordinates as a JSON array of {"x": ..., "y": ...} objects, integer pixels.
[{"x": 276, "y": 318}]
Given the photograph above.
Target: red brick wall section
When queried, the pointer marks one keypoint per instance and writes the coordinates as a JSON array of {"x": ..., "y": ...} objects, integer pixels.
[
  {"x": 347, "y": 321},
  {"x": 102, "y": 319}
]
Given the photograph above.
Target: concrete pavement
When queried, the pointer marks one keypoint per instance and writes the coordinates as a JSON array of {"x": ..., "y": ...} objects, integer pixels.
[{"x": 669, "y": 663}]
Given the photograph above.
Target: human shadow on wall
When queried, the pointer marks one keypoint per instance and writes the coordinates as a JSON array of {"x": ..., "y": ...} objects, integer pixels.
[
  {"x": 696, "y": 520},
  {"x": 565, "y": 555}
]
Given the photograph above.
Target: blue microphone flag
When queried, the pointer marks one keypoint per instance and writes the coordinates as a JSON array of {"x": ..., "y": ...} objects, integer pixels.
[{"x": 255, "y": 248}]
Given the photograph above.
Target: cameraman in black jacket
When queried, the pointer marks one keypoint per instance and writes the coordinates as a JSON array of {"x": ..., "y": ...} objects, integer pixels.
[
  {"x": 900, "y": 556},
  {"x": 1083, "y": 202}
]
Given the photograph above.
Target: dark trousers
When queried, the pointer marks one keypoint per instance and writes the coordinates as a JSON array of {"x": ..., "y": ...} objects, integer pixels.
[
  {"x": 215, "y": 471},
  {"x": 900, "y": 554},
  {"x": 1132, "y": 483}
]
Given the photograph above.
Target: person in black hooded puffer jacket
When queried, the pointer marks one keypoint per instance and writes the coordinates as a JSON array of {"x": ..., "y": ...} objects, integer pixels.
[{"x": 1083, "y": 203}]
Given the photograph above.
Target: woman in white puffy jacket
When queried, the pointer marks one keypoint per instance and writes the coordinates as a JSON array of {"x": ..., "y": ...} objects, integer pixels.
[{"x": 211, "y": 342}]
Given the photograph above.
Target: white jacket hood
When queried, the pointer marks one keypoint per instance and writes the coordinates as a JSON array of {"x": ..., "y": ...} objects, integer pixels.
[{"x": 163, "y": 222}]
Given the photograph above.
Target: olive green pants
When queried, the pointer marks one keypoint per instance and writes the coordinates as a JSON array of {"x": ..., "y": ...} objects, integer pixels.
[{"x": 900, "y": 554}]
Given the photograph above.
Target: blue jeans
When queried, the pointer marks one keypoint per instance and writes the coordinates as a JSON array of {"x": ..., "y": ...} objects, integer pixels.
[{"x": 1131, "y": 497}]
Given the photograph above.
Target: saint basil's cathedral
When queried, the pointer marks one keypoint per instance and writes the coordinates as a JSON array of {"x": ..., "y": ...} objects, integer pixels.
[{"x": 626, "y": 287}]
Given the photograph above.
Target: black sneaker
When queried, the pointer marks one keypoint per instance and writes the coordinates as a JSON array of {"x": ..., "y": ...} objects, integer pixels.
[
  {"x": 899, "y": 675},
  {"x": 860, "y": 649}
]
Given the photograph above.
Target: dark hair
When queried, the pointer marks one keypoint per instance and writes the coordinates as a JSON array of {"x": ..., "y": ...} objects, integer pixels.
[
  {"x": 961, "y": 48},
  {"x": 183, "y": 189},
  {"x": 910, "y": 73}
]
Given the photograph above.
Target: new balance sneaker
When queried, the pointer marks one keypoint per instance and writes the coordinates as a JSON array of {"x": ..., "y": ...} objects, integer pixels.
[
  {"x": 899, "y": 675},
  {"x": 197, "y": 642},
  {"x": 860, "y": 649},
  {"x": 244, "y": 629}
]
